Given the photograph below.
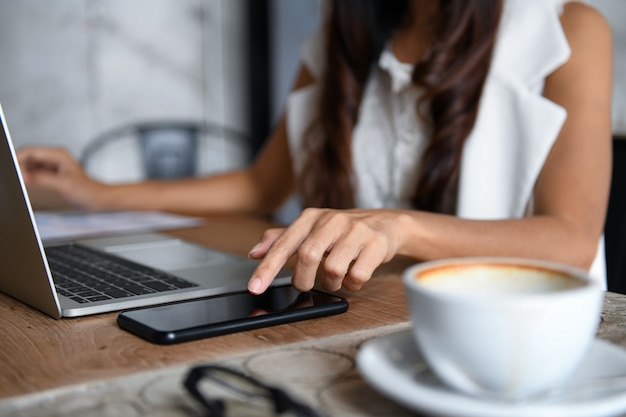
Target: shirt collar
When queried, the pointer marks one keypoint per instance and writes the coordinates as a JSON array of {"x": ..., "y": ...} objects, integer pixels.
[{"x": 399, "y": 72}]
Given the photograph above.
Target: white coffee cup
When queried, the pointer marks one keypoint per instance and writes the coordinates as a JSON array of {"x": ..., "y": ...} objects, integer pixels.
[{"x": 501, "y": 326}]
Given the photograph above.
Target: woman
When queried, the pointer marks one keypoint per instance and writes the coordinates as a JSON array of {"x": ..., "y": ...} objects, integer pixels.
[{"x": 442, "y": 128}]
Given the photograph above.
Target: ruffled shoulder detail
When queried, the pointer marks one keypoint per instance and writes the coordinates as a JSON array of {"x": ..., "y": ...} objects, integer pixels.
[
  {"x": 516, "y": 126},
  {"x": 531, "y": 43}
]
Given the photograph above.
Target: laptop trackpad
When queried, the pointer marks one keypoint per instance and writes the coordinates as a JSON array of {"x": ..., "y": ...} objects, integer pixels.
[{"x": 170, "y": 255}]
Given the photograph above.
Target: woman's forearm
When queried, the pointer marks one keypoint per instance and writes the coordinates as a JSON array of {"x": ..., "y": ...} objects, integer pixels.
[
  {"x": 428, "y": 236},
  {"x": 233, "y": 192}
]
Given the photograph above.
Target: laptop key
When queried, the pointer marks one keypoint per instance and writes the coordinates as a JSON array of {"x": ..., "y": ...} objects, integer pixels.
[
  {"x": 158, "y": 286},
  {"x": 115, "y": 293},
  {"x": 139, "y": 290},
  {"x": 86, "y": 293}
]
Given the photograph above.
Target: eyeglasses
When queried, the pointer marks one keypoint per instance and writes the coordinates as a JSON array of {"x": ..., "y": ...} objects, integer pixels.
[{"x": 238, "y": 383}]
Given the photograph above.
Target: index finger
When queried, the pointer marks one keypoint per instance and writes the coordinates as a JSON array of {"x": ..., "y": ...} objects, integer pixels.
[{"x": 276, "y": 257}]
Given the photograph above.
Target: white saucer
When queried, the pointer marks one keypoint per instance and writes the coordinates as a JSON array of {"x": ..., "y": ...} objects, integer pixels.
[{"x": 393, "y": 365}]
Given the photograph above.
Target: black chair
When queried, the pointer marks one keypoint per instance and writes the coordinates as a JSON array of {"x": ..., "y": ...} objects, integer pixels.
[
  {"x": 165, "y": 149},
  {"x": 615, "y": 226}
]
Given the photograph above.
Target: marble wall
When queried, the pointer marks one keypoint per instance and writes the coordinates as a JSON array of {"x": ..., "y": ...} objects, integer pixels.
[{"x": 73, "y": 69}]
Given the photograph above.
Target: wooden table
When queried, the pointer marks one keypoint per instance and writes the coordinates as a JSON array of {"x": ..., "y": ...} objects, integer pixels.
[
  {"x": 88, "y": 366},
  {"x": 39, "y": 353}
]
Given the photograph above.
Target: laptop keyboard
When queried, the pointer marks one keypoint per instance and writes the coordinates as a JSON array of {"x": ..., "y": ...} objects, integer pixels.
[{"x": 86, "y": 275}]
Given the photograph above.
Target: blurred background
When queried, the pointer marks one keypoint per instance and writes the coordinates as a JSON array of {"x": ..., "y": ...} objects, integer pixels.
[
  {"x": 75, "y": 72},
  {"x": 166, "y": 88}
]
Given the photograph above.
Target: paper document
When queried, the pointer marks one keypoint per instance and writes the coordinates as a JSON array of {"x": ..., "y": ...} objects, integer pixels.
[{"x": 56, "y": 225}]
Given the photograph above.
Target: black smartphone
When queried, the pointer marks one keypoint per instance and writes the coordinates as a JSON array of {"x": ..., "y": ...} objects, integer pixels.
[{"x": 217, "y": 315}]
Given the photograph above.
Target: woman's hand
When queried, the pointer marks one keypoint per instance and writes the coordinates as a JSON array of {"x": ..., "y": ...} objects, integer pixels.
[
  {"x": 56, "y": 170},
  {"x": 348, "y": 244}
]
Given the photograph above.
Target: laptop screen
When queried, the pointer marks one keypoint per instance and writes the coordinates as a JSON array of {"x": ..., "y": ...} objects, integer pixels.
[{"x": 24, "y": 272}]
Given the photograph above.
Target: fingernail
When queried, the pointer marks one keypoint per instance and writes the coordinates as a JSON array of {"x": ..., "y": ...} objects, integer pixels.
[
  {"x": 255, "y": 285},
  {"x": 254, "y": 249}
]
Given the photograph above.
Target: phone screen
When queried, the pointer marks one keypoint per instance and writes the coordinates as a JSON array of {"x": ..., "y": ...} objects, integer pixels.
[{"x": 212, "y": 316}]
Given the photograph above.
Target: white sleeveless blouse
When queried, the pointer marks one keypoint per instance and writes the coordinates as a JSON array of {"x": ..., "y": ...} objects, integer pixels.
[{"x": 515, "y": 128}]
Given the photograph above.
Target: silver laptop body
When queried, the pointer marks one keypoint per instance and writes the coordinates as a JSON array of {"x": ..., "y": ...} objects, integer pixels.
[{"x": 25, "y": 271}]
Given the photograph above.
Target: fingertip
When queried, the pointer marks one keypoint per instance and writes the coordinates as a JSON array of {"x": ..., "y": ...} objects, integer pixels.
[
  {"x": 255, "y": 285},
  {"x": 254, "y": 251}
]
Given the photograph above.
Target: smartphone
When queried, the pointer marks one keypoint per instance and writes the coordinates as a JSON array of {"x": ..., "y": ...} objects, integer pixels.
[{"x": 218, "y": 315}]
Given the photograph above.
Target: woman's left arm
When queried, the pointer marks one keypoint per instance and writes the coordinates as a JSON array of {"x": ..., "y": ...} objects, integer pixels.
[{"x": 570, "y": 196}]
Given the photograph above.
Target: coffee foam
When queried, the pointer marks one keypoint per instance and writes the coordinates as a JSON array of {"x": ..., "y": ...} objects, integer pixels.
[{"x": 496, "y": 279}]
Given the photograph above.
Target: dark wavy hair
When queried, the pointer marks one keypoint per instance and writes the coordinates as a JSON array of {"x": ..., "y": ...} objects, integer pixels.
[{"x": 451, "y": 77}]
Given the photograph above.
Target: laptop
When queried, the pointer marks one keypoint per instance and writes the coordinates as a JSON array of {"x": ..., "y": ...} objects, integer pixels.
[{"x": 98, "y": 274}]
